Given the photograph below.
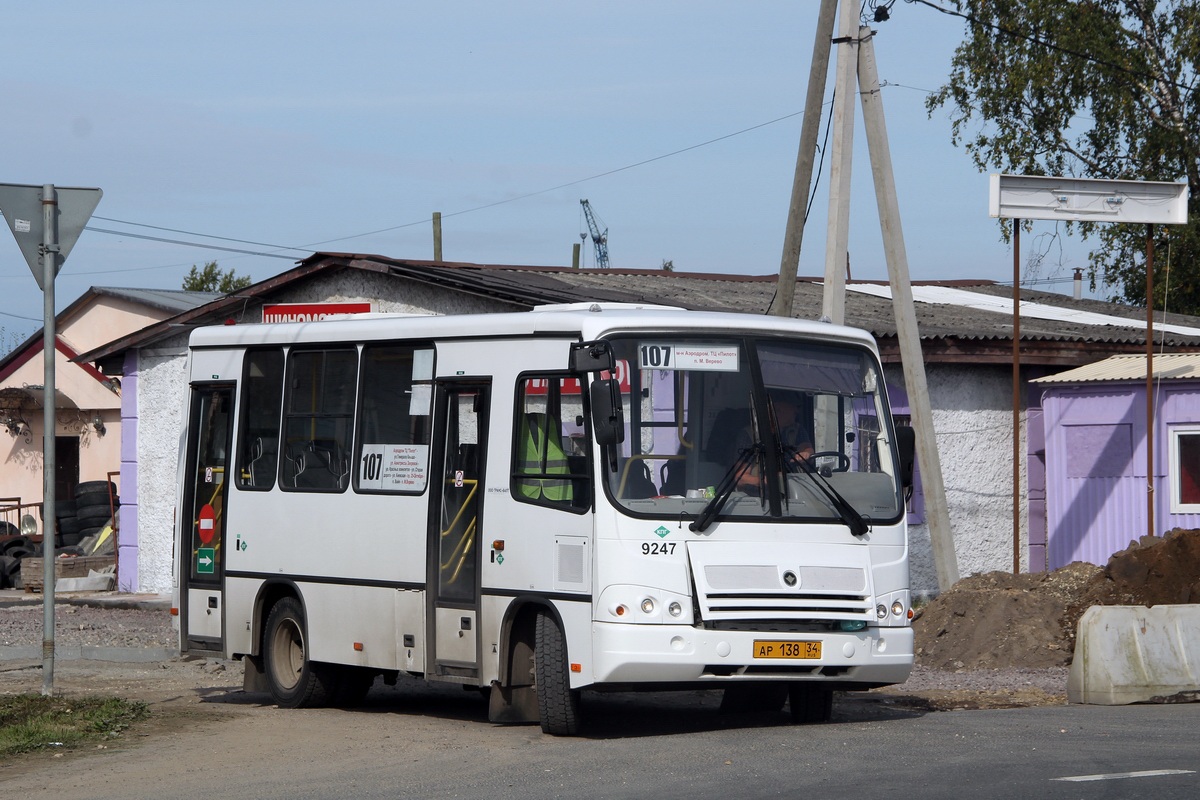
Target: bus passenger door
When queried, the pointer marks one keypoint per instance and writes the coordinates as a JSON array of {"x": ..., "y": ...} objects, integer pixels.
[
  {"x": 201, "y": 570},
  {"x": 455, "y": 529}
]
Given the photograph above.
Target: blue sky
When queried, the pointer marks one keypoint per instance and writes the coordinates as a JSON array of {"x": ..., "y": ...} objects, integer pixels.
[{"x": 305, "y": 124}]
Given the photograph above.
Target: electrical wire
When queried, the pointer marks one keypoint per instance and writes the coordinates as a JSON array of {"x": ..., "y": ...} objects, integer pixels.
[{"x": 308, "y": 248}]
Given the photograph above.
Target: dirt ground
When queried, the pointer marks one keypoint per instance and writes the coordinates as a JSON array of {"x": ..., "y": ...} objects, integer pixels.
[
  {"x": 995, "y": 640},
  {"x": 998, "y": 620}
]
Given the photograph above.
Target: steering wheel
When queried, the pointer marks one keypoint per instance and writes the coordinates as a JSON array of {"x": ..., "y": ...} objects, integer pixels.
[{"x": 843, "y": 460}]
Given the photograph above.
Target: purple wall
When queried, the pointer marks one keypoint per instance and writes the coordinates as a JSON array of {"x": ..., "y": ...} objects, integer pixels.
[
  {"x": 127, "y": 536},
  {"x": 1096, "y": 486}
]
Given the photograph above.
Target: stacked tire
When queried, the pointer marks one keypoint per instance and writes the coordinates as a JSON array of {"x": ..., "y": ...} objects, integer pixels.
[
  {"x": 95, "y": 504},
  {"x": 64, "y": 517}
]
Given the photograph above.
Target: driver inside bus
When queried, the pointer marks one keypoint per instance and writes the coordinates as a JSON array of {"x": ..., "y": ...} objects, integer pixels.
[{"x": 793, "y": 438}]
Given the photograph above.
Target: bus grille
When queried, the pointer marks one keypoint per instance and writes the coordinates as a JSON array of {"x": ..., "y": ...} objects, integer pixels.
[{"x": 822, "y": 594}]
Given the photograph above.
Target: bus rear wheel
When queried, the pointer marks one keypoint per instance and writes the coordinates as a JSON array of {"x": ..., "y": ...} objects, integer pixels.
[
  {"x": 558, "y": 705},
  {"x": 295, "y": 681}
]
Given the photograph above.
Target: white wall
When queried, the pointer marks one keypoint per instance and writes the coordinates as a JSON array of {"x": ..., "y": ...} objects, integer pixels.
[
  {"x": 972, "y": 415},
  {"x": 162, "y": 390}
]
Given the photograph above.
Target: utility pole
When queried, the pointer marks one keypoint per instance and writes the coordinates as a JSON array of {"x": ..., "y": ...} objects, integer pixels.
[
  {"x": 837, "y": 238},
  {"x": 793, "y": 235},
  {"x": 437, "y": 236},
  {"x": 852, "y": 41},
  {"x": 907, "y": 335}
]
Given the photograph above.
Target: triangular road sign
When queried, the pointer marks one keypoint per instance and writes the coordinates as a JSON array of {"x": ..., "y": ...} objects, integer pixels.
[{"x": 21, "y": 205}]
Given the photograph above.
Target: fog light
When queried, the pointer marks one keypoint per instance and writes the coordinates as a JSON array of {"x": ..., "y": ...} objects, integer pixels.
[
  {"x": 881, "y": 611},
  {"x": 897, "y": 608},
  {"x": 674, "y": 609},
  {"x": 647, "y": 606}
]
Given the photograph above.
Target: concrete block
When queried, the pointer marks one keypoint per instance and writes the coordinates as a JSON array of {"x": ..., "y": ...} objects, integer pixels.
[{"x": 1135, "y": 654}]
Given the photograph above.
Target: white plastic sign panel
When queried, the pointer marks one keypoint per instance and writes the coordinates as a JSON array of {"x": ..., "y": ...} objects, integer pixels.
[
  {"x": 394, "y": 467},
  {"x": 696, "y": 357},
  {"x": 1087, "y": 199}
]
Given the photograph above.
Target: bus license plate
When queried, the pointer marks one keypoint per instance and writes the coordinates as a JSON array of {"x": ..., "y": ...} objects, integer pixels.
[{"x": 774, "y": 648}]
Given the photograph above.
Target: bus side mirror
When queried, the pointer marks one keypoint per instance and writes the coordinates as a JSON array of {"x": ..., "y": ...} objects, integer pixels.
[
  {"x": 906, "y": 446},
  {"x": 591, "y": 357},
  {"x": 608, "y": 420}
]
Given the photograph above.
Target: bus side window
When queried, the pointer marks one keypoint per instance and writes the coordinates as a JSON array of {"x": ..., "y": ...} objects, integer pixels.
[
  {"x": 258, "y": 433},
  {"x": 394, "y": 421},
  {"x": 318, "y": 417},
  {"x": 551, "y": 463}
]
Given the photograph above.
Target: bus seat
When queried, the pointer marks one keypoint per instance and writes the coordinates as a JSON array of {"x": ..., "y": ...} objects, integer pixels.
[
  {"x": 263, "y": 455},
  {"x": 638, "y": 483}
]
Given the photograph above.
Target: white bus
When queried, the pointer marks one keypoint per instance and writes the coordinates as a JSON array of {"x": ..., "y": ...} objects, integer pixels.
[{"x": 588, "y": 496}]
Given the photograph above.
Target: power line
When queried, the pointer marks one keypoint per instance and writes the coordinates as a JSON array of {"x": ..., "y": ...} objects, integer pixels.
[
  {"x": 308, "y": 248},
  {"x": 191, "y": 233}
]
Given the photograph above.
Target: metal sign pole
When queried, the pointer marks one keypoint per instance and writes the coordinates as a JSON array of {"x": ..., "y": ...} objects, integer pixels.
[
  {"x": 46, "y": 240},
  {"x": 49, "y": 424}
]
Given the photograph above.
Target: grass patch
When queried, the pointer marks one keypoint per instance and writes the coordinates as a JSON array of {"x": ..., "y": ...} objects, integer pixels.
[{"x": 33, "y": 722}]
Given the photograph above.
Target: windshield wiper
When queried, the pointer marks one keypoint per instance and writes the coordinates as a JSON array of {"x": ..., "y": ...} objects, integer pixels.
[
  {"x": 846, "y": 512},
  {"x": 725, "y": 489}
]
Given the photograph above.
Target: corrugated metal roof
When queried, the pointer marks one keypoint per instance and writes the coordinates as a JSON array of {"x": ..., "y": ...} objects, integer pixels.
[
  {"x": 172, "y": 300},
  {"x": 1167, "y": 367},
  {"x": 966, "y": 321},
  {"x": 948, "y": 295}
]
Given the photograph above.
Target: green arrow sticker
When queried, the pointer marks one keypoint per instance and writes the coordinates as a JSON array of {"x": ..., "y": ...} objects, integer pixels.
[{"x": 206, "y": 561}]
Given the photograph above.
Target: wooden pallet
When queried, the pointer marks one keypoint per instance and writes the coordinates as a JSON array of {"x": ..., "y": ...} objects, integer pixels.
[{"x": 33, "y": 572}]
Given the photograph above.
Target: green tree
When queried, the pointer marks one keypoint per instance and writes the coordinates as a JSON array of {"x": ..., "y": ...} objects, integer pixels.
[
  {"x": 1090, "y": 89},
  {"x": 213, "y": 279}
]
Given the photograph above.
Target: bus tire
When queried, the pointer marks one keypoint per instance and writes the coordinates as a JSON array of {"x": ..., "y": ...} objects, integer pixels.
[
  {"x": 558, "y": 705},
  {"x": 295, "y": 681},
  {"x": 810, "y": 704}
]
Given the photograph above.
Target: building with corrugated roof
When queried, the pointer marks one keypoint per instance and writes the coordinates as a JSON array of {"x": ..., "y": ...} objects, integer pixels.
[
  {"x": 966, "y": 330},
  {"x": 87, "y": 436}
]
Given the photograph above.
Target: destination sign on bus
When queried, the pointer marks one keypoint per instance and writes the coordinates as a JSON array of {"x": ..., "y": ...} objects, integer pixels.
[
  {"x": 697, "y": 357},
  {"x": 394, "y": 467}
]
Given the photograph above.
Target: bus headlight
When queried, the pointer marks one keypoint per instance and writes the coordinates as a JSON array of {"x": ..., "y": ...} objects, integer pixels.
[
  {"x": 881, "y": 611},
  {"x": 897, "y": 608},
  {"x": 674, "y": 609},
  {"x": 647, "y": 605}
]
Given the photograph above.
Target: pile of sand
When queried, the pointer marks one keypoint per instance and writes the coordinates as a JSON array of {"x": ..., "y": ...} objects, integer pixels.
[{"x": 998, "y": 620}]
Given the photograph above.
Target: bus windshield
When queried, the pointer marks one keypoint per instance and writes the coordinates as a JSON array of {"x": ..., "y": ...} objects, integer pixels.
[{"x": 754, "y": 428}]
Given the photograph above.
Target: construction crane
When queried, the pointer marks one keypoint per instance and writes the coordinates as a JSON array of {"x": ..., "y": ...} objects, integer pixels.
[{"x": 599, "y": 238}]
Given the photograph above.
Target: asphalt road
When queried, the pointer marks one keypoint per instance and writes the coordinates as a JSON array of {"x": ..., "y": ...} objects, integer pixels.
[{"x": 417, "y": 741}]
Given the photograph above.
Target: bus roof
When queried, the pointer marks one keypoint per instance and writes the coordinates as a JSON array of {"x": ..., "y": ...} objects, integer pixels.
[{"x": 585, "y": 321}]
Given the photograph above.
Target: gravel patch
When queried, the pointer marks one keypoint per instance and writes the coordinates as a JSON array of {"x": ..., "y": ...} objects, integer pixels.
[{"x": 87, "y": 626}]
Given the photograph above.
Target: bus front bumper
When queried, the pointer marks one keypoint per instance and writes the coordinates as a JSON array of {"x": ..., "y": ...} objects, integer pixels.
[{"x": 682, "y": 654}]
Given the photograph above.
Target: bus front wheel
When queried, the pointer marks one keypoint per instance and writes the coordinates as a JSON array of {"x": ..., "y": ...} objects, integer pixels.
[
  {"x": 295, "y": 681},
  {"x": 558, "y": 705}
]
